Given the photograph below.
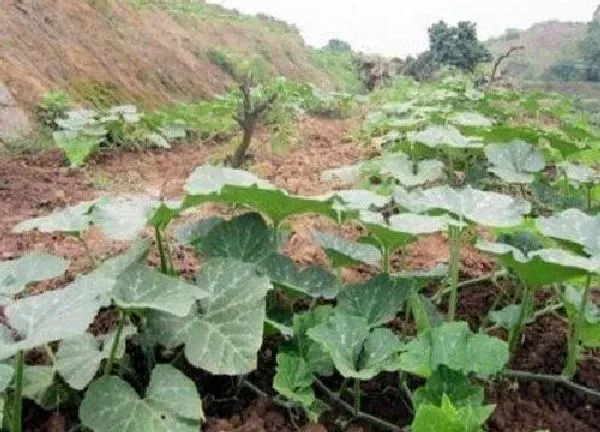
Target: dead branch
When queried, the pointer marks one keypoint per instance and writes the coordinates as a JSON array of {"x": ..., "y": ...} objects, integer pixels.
[{"x": 503, "y": 57}]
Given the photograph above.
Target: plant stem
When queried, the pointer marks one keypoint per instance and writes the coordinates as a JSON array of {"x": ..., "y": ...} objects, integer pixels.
[
  {"x": 454, "y": 270},
  {"x": 489, "y": 277},
  {"x": 385, "y": 252},
  {"x": 557, "y": 379},
  {"x": 344, "y": 386},
  {"x": 515, "y": 334},
  {"x": 356, "y": 397},
  {"x": 451, "y": 173},
  {"x": 588, "y": 191},
  {"x": 380, "y": 423},
  {"x": 161, "y": 250},
  {"x": 575, "y": 333},
  {"x": 17, "y": 414},
  {"x": 113, "y": 349},
  {"x": 88, "y": 251},
  {"x": 262, "y": 394}
]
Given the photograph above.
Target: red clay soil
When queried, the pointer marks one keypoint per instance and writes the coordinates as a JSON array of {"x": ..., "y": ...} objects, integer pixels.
[{"x": 34, "y": 185}]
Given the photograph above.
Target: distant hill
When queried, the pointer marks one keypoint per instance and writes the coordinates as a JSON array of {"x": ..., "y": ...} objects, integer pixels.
[
  {"x": 545, "y": 43},
  {"x": 147, "y": 51}
]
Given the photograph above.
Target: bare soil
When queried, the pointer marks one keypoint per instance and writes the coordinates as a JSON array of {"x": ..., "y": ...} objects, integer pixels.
[{"x": 34, "y": 185}]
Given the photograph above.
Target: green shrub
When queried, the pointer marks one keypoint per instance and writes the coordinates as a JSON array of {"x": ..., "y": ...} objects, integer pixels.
[
  {"x": 54, "y": 105},
  {"x": 221, "y": 59}
]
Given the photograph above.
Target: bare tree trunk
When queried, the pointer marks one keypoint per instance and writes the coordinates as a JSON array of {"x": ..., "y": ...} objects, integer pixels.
[
  {"x": 239, "y": 156},
  {"x": 248, "y": 119},
  {"x": 503, "y": 57}
]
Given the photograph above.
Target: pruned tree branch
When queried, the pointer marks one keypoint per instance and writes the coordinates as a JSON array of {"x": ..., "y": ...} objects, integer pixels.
[{"x": 503, "y": 57}]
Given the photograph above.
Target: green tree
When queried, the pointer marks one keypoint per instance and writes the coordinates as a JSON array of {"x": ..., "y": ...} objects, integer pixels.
[
  {"x": 457, "y": 46},
  {"x": 338, "y": 45},
  {"x": 422, "y": 68},
  {"x": 590, "y": 49},
  {"x": 564, "y": 70}
]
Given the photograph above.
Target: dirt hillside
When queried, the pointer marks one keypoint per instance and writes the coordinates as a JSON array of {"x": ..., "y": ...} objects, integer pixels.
[
  {"x": 545, "y": 43},
  {"x": 147, "y": 51}
]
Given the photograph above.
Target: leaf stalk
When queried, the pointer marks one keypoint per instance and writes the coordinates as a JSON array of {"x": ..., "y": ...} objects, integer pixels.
[{"x": 17, "y": 414}]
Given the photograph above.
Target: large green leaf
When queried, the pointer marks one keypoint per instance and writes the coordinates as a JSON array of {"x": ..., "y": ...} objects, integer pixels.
[
  {"x": 345, "y": 253},
  {"x": 246, "y": 238},
  {"x": 455, "y": 385},
  {"x": 402, "y": 229},
  {"x": 515, "y": 162},
  {"x": 79, "y": 358},
  {"x": 509, "y": 317},
  {"x": 318, "y": 360},
  {"x": 313, "y": 281},
  {"x": 276, "y": 204},
  {"x": 356, "y": 351},
  {"x": 579, "y": 174},
  {"x": 540, "y": 267},
  {"x": 443, "y": 136},
  {"x": 243, "y": 188},
  {"x": 73, "y": 219},
  {"x": 573, "y": 226},
  {"x": 77, "y": 147},
  {"x": 378, "y": 301},
  {"x": 38, "y": 386},
  {"x": 115, "y": 266},
  {"x": 448, "y": 418},
  {"x": 400, "y": 167},
  {"x": 207, "y": 180},
  {"x": 225, "y": 333},
  {"x": 293, "y": 379},
  {"x": 33, "y": 267},
  {"x": 55, "y": 315},
  {"x": 454, "y": 346},
  {"x": 120, "y": 218},
  {"x": 473, "y": 119},
  {"x": 6, "y": 374},
  {"x": 172, "y": 404},
  {"x": 485, "y": 208},
  {"x": 194, "y": 232},
  {"x": 347, "y": 174},
  {"x": 380, "y": 353},
  {"x": 590, "y": 331},
  {"x": 359, "y": 199},
  {"x": 142, "y": 287}
]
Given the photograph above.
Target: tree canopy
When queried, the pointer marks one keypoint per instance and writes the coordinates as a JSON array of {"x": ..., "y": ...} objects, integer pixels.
[
  {"x": 457, "y": 46},
  {"x": 590, "y": 49}
]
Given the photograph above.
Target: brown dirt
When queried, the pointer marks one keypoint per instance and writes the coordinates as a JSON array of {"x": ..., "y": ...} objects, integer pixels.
[
  {"x": 148, "y": 56},
  {"x": 526, "y": 407}
]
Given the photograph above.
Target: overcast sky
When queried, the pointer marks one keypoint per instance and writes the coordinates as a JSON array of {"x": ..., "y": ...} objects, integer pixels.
[{"x": 399, "y": 27}]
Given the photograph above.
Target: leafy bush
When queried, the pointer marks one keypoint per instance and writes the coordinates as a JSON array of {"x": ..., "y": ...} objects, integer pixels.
[
  {"x": 422, "y": 68},
  {"x": 81, "y": 132},
  {"x": 339, "y": 64},
  {"x": 53, "y": 106},
  {"x": 221, "y": 59}
]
